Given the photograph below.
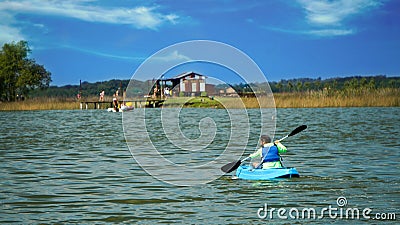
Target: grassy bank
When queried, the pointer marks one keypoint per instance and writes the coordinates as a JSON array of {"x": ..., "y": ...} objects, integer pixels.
[{"x": 376, "y": 98}]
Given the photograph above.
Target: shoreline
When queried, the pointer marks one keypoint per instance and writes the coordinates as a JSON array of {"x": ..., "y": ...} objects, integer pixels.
[
  {"x": 34, "y": 108},
  {"x": 379, "y": 98}
]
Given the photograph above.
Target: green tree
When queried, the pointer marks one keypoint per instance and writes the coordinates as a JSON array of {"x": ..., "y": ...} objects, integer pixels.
[
  {"x": 290, "y": 85},
  {"x": 371, "y": 84},
  {"x": 307, "y": 86},
  {"x": 317, "y": 85},
  {"x": 363, "y": 82},
  {"x": 18, "y": 73},
  {"x": 279, "y": 86},
  {"x": 299, "y": 86}
]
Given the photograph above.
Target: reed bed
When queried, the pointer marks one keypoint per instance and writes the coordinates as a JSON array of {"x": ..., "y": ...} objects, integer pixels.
[
  {"x": 375, "y": 98},
  {"x": 388, "y": 97},
  {"x": 320, "y": 99},
  {"x": 247, "y": 102},
  {"x": 40, "y": 104}
]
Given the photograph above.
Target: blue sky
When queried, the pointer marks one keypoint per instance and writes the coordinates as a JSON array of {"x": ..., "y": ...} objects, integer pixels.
[{"x": 96, "y": 40}]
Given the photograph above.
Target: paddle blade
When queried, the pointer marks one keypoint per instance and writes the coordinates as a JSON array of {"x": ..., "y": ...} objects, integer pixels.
[
  {"x": 298, "y": 130},
  {"x": 231, "y": 166}
]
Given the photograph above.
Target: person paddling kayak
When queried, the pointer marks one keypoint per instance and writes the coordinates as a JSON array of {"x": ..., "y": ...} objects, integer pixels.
[{"x": 268, "y": 153}]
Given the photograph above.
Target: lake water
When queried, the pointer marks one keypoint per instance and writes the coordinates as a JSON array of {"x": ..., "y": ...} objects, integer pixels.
[{"x": 76, "y": 167}]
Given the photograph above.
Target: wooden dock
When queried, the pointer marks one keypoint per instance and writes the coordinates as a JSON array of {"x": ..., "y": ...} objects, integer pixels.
[{"x": 142, "y": 103}]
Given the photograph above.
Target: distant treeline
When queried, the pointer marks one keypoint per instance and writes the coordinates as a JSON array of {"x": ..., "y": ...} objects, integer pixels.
[
  {"x": 347, "y": 84},
  {"x": 335, "y": 84},
  {"x": 85, "y": 89}
]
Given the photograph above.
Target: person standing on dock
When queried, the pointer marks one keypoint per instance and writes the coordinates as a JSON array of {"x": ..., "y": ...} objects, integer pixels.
[
  {"x": 102, "y": 96},
  {"x": 155, "y": 90},
  {"x": 115, "y": 103},
  {"x": 166, "y": 92}
]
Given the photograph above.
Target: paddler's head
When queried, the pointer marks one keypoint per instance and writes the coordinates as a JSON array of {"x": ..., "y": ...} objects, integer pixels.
[{"x": 264, "y": 139}]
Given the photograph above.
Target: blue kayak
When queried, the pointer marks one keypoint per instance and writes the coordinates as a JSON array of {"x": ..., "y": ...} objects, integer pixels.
[{"x": 248, "y": 173}]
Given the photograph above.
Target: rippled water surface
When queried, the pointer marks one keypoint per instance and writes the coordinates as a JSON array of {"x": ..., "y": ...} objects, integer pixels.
[{"x": 75, "y": 167}]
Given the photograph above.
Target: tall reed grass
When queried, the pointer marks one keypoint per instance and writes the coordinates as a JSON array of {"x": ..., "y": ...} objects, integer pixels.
[
  {"x": 40, "y": 104},
  {"x": 375, "y": 98},
  {"x": 387, "y": 97}
]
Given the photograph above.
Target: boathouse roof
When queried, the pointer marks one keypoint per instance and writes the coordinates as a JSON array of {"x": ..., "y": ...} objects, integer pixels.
[{"x": 183, "y": 75}]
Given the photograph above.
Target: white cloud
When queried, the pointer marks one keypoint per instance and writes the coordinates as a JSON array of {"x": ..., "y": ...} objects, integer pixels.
[
  {"x": 332, "y": 13},
  {"x": 139, "y": 17},
  {"x": 315, "y": 32},
  {"x": 103, "y": 54},
  {"x": 330, "y": 32},
  {"x": 172, "y": 56},
  {"x": 9, "y": 34},
  {"x": 8, "y": 31},
  {"x": 328, "y": 18}
]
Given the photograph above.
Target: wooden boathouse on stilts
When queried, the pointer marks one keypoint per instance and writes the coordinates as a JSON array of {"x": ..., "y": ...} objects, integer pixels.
[{"x": 188, "y": 84}]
